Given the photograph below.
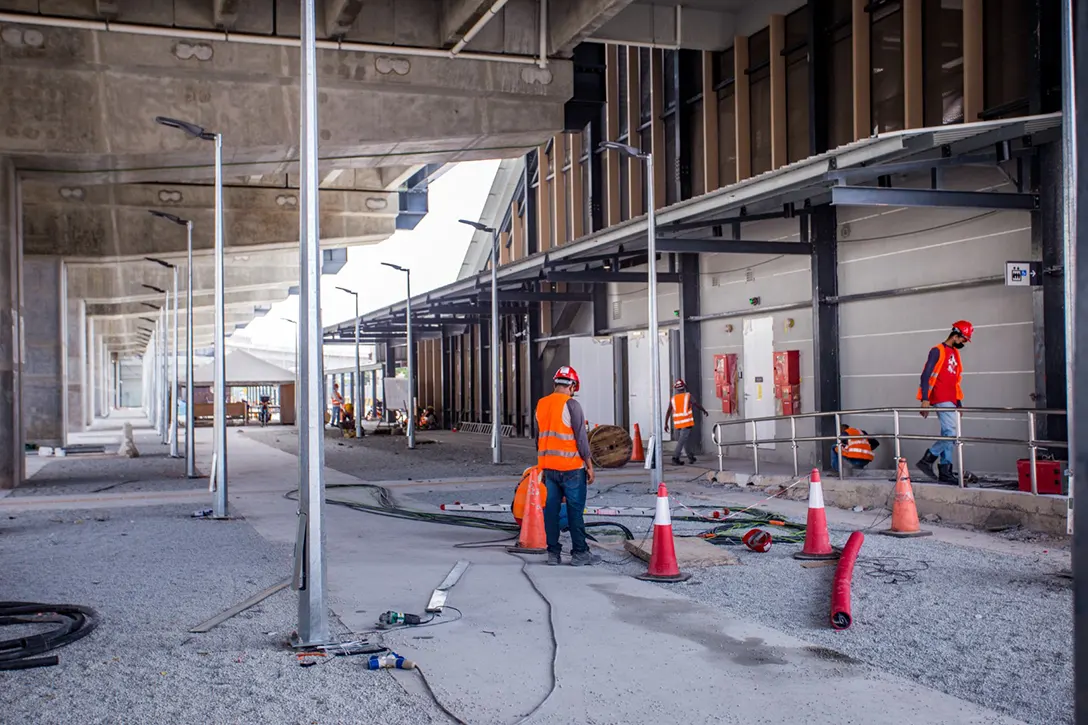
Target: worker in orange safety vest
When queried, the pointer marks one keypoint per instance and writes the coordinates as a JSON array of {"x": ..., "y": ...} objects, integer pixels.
[
  {"x": 562, "y": 450},
  {"x": 940, "y": 388},
  {"x": 681, "y": 413},
  {"x": 858, "y": 451}
]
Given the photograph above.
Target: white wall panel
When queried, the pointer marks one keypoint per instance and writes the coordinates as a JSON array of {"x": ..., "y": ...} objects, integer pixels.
[{"x": 592, "y": 358}]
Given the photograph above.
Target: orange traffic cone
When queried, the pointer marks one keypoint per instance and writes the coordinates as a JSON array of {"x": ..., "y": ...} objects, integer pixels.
[
  {"x": 638, "y": 455},
  {"x": 904, "y": 512},
  {"x": 532, "y": 540},
  {"x": 817, "y": 539},
  {"x": 663, "y": 564}
]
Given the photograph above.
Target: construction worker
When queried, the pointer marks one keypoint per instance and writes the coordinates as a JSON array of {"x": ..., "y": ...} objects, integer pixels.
[
  {"x": 563, "y": 456},
  {"x": 940, "y": 388},
  {"x": 858, "y": 451},
  {"x": 336, "y": 400},
  {"x": 681, "y": 412}
]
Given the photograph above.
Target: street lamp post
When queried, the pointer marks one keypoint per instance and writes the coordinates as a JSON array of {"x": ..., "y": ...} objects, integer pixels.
[
  {"x": 358, "y": 369},
  {"x": 190, "y": 441},
  {"x": 220, "y": 510},
  {"x": 286, "y": 319},
  {"x": 651, "y": 253},
  {"x": 162, "y": 420},
  {"x": 496, "y": 385},
  {"x": 411, "y": 355},
  {"x": 171, "y": 399}
]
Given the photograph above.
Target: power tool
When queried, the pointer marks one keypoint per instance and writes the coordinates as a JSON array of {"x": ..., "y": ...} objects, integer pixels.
[{"x": 395, "y": 619}]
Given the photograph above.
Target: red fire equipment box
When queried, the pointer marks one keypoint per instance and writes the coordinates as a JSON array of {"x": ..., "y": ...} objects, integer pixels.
[
  {"x": 787, "y": 367},
  {"x": 1048, "y": 476},
  {"x": 725, "y": 382}
]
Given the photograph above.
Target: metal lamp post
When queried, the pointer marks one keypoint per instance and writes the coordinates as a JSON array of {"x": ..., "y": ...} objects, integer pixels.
[
  {"x": 190, "y": 442},
  {"x": 496, "y": 386},
  {"x": 220, "y": 509},
  {"x": 411, "y": 355},
  {"x": 358, "y": 369},
  {"x": 172, "y": 397},
  {"x": 651, "y": 253},
  {"x": 162, "y": 421}
]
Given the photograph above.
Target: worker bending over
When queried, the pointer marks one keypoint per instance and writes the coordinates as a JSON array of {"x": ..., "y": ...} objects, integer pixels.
[
  {"x": 336, "y": 400},
  {"x": 940, "y": 388},
  {"x": 563, "y": 457},
  {"x": 858, "y": 452},
  {"x": 681, "y": 412}
]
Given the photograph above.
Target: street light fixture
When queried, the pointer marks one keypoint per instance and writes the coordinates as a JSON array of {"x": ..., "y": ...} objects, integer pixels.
[
  {"x": 219, "y": 475},
  {"x": 172, "y": 398},
  {"x": 190, "y": 441},
  {"x": 357, "y": 387},
  {"x": 656, "y": 446},
  {"x": 411, "y": 355},
  {"x": 496, "y": 387}
]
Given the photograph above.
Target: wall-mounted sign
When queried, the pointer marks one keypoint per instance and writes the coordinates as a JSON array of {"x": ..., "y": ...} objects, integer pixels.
[{"x": 1023, "y": 274}]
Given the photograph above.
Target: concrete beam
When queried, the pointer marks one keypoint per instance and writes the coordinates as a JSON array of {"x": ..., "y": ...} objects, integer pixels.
[
  {"x": 340, "y": 16},
  {"x": 106, "y": 9},
  {"x": 237, "y": 301},
  {"x": 112, "y": 221},
  {"x": 458, "y": 17},
  {"x": 83, "y": 102},
  {"x": 572, "y": 21}
]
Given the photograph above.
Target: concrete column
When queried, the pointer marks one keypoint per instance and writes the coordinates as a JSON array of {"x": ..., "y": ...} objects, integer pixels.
[
  {"x": 43, "y": 370},
  {"x": 11, "y": 446},
  {"x": 92, "y": 377},
  {"x": 76, "y": 382}
]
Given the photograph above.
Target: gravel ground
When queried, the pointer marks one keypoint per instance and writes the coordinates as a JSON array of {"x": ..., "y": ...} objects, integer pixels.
[
  {"x": 968, "y": 622},
  {"x": 154, "y": 470},
  {"x": 385, "y": 458},
  {"x": 146, "y": 572}
]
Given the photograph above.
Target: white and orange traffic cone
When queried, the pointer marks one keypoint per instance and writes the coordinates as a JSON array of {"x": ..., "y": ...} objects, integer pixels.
[
  {"x": 904, "y": 511},
  {"x": 663, "y": 564},
  {"x": 817, "y": 539}
]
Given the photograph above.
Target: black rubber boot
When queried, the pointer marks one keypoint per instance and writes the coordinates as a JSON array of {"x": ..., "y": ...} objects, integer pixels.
[
  {"x": 946, "y": 475},
  {"x": 926, "y": 465},
  {"x": 691, "y": 459},
  {"x": 677, "y": 462}
]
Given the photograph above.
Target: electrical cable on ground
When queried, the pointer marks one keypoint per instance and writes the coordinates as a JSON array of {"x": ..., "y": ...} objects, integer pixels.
[{"x": 25, "y": 652}]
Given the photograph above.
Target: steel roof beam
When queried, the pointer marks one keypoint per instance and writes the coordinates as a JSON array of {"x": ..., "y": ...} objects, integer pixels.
[{"x": 877, "y": 196}]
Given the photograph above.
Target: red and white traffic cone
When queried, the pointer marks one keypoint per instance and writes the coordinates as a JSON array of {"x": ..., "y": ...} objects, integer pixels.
[
  {"x": 663, "y": 564},
  {"x": 817, "y": 539}
]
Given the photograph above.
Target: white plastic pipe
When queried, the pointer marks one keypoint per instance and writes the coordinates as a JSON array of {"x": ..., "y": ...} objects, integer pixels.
[{"x": 477, "y": 26}]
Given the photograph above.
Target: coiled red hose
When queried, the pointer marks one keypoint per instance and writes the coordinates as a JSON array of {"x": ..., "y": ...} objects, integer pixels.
[{"x": 844, "y": 573}]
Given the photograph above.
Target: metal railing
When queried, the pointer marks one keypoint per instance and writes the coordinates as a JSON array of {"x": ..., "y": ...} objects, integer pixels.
[{"x": 1031, "y": 442}]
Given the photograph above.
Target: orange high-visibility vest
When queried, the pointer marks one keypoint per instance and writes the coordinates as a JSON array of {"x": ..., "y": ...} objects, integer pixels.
[
  {"x": 556, "y": 448},
  {"x": 682, "y": 415},
  {"x": 944, "y": 352},
  {"x": 857, "y": 448}
]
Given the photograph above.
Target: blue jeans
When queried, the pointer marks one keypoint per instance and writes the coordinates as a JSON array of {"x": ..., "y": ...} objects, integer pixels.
[
  {"x": 943, "y": 449},
  {"x": 852, "y": 462},
  {"x": 572, "y": 485},
  {"x": 335, "y": 420}
]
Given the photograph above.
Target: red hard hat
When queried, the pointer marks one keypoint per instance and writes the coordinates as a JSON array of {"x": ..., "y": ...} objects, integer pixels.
[
  {"x": 963, "y": 327},
  {"x": 757, "y": 540},
  {"x": 567, "y": 375},
  {"x": 679, "y": 384}
]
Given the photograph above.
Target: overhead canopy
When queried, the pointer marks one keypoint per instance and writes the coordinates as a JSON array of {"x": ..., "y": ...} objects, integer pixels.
[{"x": 243, "y": 369}]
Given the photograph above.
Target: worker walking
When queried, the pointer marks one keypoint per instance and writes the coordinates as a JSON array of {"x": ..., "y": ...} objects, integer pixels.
[
  {"x": 681, "y": 412},
  {"x": 563, "y": 456},
  {"x": 337, "y": 400},
  {"x": 858, "y": 451},
  {"x": 940, "y": 388}
]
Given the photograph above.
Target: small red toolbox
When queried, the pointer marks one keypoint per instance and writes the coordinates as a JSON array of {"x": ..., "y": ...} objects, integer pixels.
[{"x": 1048, "y": 476}]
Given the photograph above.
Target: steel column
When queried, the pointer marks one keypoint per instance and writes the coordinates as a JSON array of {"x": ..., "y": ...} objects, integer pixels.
[
  {"x": 220, "y": 409},
  {"x": 174, "y": 376},
  {"x": 691, "y": 338},
  {"x": 658, "y": 470},
  {"x": 411, "y": 365},
  {"x": 821, "y": 229},
  {"x": 535, "y": 370},
  {"x": 313, "y": 609},
  {"x": 1048, "y": 298},
  {"x": 496, "y": 382}
]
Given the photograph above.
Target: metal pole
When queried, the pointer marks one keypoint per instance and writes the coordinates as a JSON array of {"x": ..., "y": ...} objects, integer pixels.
[
  {"x": 174, "y": 377},
  {"x": 313, "y": 610},
  {"x": 959, "y": 445},
  {"x": 1031, "y": 452},
  {"x": 657, "y": 474},
  {"x": 358, "y": 377},
  {"x": 895, "y": 419},
  {"x": 220, "y": 502},
  {"x": 496, "y": 384},
  {"x": 838, "y": 446},
  {"x": 411, "y": 367},
  {"x": 1069, "y": 248},
  {"x": 190, "y": 442},
  {"x": 793, "y": 443},
  {"x": 164, "y": 387}
]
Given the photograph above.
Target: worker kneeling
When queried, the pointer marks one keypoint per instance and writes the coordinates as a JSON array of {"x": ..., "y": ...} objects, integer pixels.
[
  {"x": 858, "y": 452},
  {"x": 563, "y": 456}
]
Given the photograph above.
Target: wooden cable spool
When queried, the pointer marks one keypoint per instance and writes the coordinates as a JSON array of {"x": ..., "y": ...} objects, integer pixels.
[{"x": 610, "y": 446}]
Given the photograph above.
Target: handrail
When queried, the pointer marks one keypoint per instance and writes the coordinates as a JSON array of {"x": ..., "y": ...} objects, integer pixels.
[{"x": 753, "y": 442}]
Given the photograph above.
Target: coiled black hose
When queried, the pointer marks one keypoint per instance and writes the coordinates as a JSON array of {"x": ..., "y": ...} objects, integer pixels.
[{"x": 73, "y": 622}]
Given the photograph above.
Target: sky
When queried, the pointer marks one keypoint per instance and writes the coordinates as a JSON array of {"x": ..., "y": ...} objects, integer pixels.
[{"x": 433, "y": 251}]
